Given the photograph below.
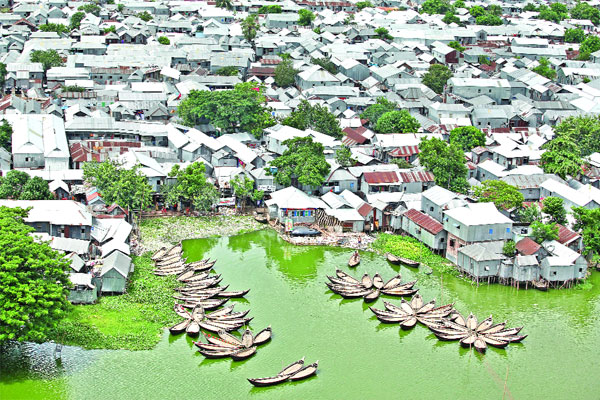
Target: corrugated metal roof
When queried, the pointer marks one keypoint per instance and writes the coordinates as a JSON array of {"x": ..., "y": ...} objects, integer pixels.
[
  {"x": 565, "y": 235},
  {"x": 416, "y": 176},
  {"x": 527, "y": 246},
  {"x": 405, "y": 151},
  {"x": 365, "y": 209},
  {"x": 424, "y": 221},
  {"x": 381, "y": 177}
]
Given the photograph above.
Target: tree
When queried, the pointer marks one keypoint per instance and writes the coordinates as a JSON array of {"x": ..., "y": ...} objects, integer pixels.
[
  {"x": 401, "y": 163},
  {"x": 227, "y": 4},
  {"x": 467, "y": 137},
  {"x": 6, "y": 136},
  {"x": 503, "y": 195},
  {"x": 588, "y": 223},
  {"x": 227, "y": 71},
  {"x": 3, "y": 73},
  {"x": 561, "y": 157},
  {"x": 110, "y": 29},
  {"x": 397, "y": 122},
  {"x": 459, "y": 4},
  {"x": 436, "y": 77},
  {"x": 128, "y": 188},
  {"x": 547, "y": 14},
  {"x": 530, "y": 7},
  {"x": 544, "y": 69},
  {"x": 163, "y": 40},
  {"x": 34, "y": 280},
  {"x": 76, "y": 18},
  {"x": 305, "y": 17},
  {"x": 432, "y": 7},
  {"x": 477, "y": 11},
  {"x": 120, "y": 7},
  {"x": 343, "y": 156},
  {"x": 590, "y": 45},
  {"x": 583, "y": 130},
  {"x": 90, "y": 9},
  {"x": 554, "y": 207},
  {"x": 48, "y": 58},
  {"x": 542, "y": 232},
  {"x": 58, "y": 28},
  {"x": 574, "y": 35},
  {"x": 242, "y": 108},
  {"x": 489, "y": 20},
  {"x": 11, "y": 186},
  {"x": 583, "y": 10},
  {"x": 450, "y": 18},
  {"x": 383, "y": 33},
  {"x": 485, "y": 60},
  {"x": 36, "y": 189},
  {"x": 494, "y": 9},
  {"x": 303, "y": 160},
  {"x": 375, "y": 111},
  {"x": 446, "y": 162},
  {"x": 250, "y": 26},
  {"x": 456, "y": 46},
  {"x": 285, "y": 74},
  {"x": 510, "y": 248},
  {"x": 243, "y": 188},
  {"x": 363, "y": 4},
  {"x": 529, "y": 214},
  {"x": 326, "y": 64},
  {"x": 145, "y": 16},
  {"x": 270, "y": 9},
  {"x": 317, "y": 117},
  {"x": 193, "y": 187}
]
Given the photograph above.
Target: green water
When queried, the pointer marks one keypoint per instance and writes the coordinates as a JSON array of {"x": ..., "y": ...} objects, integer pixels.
[{"x": 359, "y": 358}]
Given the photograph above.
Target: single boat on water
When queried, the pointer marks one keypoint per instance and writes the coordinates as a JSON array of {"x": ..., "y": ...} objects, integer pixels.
[
  {"x": 305, "y": 372},
  {"x": 401, "y": 260},
  {"x": 293, "y": 372},
  {"x": 541, "y": 284},
  {"x": 354, "y": 260}
]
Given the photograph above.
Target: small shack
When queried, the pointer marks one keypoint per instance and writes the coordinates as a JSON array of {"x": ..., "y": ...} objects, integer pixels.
[
  {"x": 83, "y": 291},
  {"x": 114, "y": 273}
]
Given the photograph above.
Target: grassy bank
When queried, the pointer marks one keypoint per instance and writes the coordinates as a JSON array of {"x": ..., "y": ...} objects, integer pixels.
[
  {"x": 411, "y": 248},
  {"x": 159, "y": 232},
  {"x": 133, "y": 321}
]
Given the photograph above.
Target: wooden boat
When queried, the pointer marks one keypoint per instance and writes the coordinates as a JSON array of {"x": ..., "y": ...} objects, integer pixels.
[
  {"x": 372, "y": 296},
  {"x": 247, "y": 338},
  {"x": 378, "y": 281},
  {"x": 239, "y": 293},
  {"x": 218, "y": 353},
  {"x": 243, "y": 354},
  {"x": 193, "y": 329},
  {"x": 263, "y": 336},
  {"x": 222, "y": 343},
  {"x": 175, "y": 249},
  {"x": 213, "y": 347},
  {"x": 343, "y": 282},
  {"x": 159, "y": 253},
  {"x": 187, "y": 273},
  {"x": 542, "y": 284},
  {"x": 222, "y": 312},
  {"x": 208, "y": 304},
  {"x": 217, "y": 326},
  {"x": 293, "y": 367},
  {"x": 273, "y": 380},
  {"x": 408, "y": 262},
  {"x": 354, "y": 260},
  {"x": 261, "y": 218},
  {"x": 228, "y": 337},
  {"x": 200, "y": 277},
  {"x": 349, "y": 278},
  {"x": 366, "y": 281},
  {"x": 167, "y": 261},
  {"x": 233, "y": 315},
  {"x": 180, "y": 327},
  {"x": 200, "y": 285},
  {"x": 305, "y": 372},
  {"x": 182, "y": 312}
]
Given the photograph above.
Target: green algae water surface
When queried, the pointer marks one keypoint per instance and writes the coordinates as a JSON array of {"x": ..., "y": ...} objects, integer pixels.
[{"x": 358, "y": 357}]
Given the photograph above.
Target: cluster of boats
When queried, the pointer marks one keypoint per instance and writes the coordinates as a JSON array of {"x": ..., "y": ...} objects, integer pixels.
[
  {"x": 228, "y": 345},
  {"x": 294, "y": 372},
  {"x": 223, "y": 319},
  {"x": 368, "y": 288}
]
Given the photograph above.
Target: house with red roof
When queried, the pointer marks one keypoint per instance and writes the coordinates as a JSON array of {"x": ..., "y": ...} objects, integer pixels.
[{"x": 425, "y": 229}]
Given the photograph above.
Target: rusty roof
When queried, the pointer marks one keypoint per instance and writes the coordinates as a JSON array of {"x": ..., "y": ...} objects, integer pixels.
[
  {"x": 405, "y": 151},
  {"x": 527, "y": 246},
  {"x": 365, "y": 209},
  {"x": 381, "y": 177},
  {"x": 565, "y": 235},
  {"x": 416, "y": 176},
  {"x": 424, "y": 221}
]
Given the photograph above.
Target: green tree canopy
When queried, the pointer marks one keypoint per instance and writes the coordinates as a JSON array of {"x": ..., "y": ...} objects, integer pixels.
[
  {"x": 489, "y": 20},
  {"x": 432, "y": 7},
  {"x": 574, "y": 35},
  {"x": 343, "y": 156},
  {"x": 476, "y": 11},
  {"x": 456, "y": 46},
  {"x": 494, "y": 9},
  {"x": 270, "y": 9},
  {"x": 436, "y": 77},
  {"x": 583, "y": 10},
  {"x": 6, "y": 136},
  {"x": 316, "y": 117},
  {"x": 34, "y": 279},
  {"x": 145, "y": 16},
  {"x": 326, "y": 64},
  {"x": 590, "y": 45},
  {"x": 562, "y": 157},
  {"x": 548, "y": 14},
  {"x": 510, "y": 248},
  {"x": 555, "y": 208},
  {"x": 17, "y": 185},
  {"x": 285, "y": 74},
  {"x": 531, "y": 213},
  {"x": 303, "y": 160},
  {"x": 90, "y": 9},
  {"x": 383, "y": 33},
  {"x": 305, "y": 17},
  {"x": 503, "y": 195},
  {"x": 128, "y": 188},
  {"x": 164, "y": 40},
  {"x": 583, "y": 130},
  {"x": 541, "y": 232},
  {"x": 363, "y": 4},
  {"x": 227, "y": 4},
  {"x": 75, "y": 21},
  {"x": 588, "y": 223},
  {"x": 48, "y": 58},
  {"x": 243, "y": 187},
  {"x": 459, "y": 4},
  {"x": 229, "y": 70},
  {"x": 397, "y": 122},
  {"x": 192, "y": 187},
  {"x": 3, "y": 73},
  {"x": 110, "y": 29},
  {"x": 58, "y": 28},
  {"x": 250, "y": 26},
  {"x": 544, "y": 69},
  {"x": 530, "y": 7},
  {"x": 467, "y": 137},
  {"x": 242, "y": 108},
  {"x": 446, "y": 162},
  {"x": 374, "y": 111}
]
